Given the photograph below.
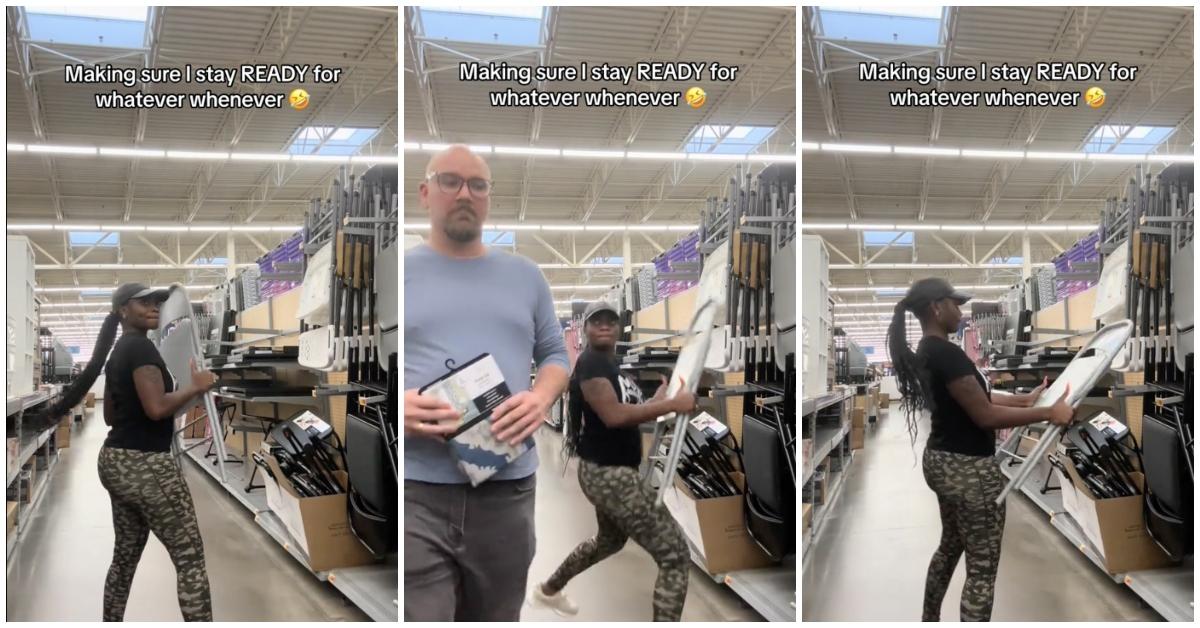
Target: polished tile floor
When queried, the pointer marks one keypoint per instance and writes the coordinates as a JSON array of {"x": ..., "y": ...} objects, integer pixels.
[
  {"x": 870, "y": 561},
  {"x": 58, "y": 570}
]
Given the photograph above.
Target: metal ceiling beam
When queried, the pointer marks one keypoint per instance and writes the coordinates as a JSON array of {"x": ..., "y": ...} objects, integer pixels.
[
  {"x": 413, "y": 33},
  {"x": 1057, "y": 247},
  {"x": 950, "y": 248},
  {"x": 150, "y": 244},
  {"x": 1036, "y": 116},
  {"x": 551, "y": 248},
  {"x": 658, "y": 247},
  {"x": 1055, "y": 191},
  {"x": 18, "y": 36}
]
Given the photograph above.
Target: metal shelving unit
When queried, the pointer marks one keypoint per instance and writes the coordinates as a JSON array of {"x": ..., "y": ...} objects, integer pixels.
[{"x": 30, "y": 444}]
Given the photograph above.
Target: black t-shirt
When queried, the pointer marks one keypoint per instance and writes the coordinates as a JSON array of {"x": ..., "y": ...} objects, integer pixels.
[
  {"x": 953, "y": 429},
  {"x": 131, "y": 428},
  {"x": 599, "y": 443}
]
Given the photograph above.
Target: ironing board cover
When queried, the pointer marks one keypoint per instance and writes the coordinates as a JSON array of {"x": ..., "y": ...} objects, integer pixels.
[
  {"x": 178, "y": 343},
  {"x": 1084, "y": 371}
]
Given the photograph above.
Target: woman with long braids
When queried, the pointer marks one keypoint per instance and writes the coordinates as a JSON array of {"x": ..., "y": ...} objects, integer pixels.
[
  {"x": 144, "y": 483},
  {"x": 603, "y": 417},
  {"x": 958, "y": 463}
]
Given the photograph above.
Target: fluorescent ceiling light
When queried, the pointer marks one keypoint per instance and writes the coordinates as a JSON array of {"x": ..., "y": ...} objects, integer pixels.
[
  {"x": 923, "y": 150},
  {"x": 64, "y": 227},
  {"x": 193, "y": 154},
  {"x": 122, "y": 227},
  {"x": 716, "y": 157},
  {"x": 921, "y": 227},
  {"x": 962, "y": 227},
  {"x": 260, "y": 156},
  {"x": 560, "y": 228},
  {"x": 132, "y": 152},
  {"x": 772, "y": 158},
  {"x": 599, "y": 154},
  {"x": 480, "y": 148},
  {"x": 515, "y": 227},
  {"x": 997, "y": 154},
  {"x": 524, "y": 150},
  {"x": 856, "y": 148},
  {"x": 16, "y": 148},
  {"x": 434, "y": 146},
  {"x": 1034, "y": 154},
  {"x": 322, "y": 158},
  {"x": 1115, "y": 157},
  {"x": 652, "y": 155},
  {"x": 62, "y": 150},
  {"x": 825, "y": 226},
  {"x": 873, "y": 227},
  {"x": 165, "y": 228},
  {"x": 809, "y": 146},
  {"x": 374, "y": 159},
  {"x": 1004, "y": 227},
  {"x": 1172, "y": 158},
  {"x": 19, "y": 227},
  {"x": 412, "y": 146}
]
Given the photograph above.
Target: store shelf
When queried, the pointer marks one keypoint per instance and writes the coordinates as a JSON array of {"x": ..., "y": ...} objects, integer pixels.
[
  {"x": 14, "y": 405},
  {"x": 771, "y": 591},
  {"x": 274, "y": 527},
  {"x": 823, "y": 443},
  {"x": 28, "y": 447},
  {"x": 292, "y": 399},
  {"x": 26, "y": 511},
  {"x": 821, "y": 513},
  {"x": 820, "y": 402},
  {"x": 1168, "y": 591},
  {"x": 370, "y": 588}
]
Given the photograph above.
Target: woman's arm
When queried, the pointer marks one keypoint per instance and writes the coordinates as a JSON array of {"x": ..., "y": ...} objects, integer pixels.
[
  {"x": 1009, "y": 400},
  {"x": 990, "y": 415},
  {"x": 599, "y": 394},
  {"x": 160, "y": 404}
]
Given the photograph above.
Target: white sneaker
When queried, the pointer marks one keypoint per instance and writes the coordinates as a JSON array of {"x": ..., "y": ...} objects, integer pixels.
[{"x": 559, "y": 602}]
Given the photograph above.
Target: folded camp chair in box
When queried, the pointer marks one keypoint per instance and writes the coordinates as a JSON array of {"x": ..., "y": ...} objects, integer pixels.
[
  {"x": 179, "y": 344},
  {"x": 1082, "y": 374}
]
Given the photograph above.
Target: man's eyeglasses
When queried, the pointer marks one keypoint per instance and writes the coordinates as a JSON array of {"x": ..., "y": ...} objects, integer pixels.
[{"x": 450, "y": 183}]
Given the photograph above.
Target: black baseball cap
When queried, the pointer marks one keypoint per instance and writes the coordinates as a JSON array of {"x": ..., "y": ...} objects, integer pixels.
[
  {"x": 597, "y": 307},
  {"x": 137, "y": 291},
  {"x": 931, "y": 290}
]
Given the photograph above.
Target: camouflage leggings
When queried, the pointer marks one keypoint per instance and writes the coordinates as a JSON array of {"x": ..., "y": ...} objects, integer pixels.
[
  {"x": 149, "y": 494},
  {"x": 625, "y": 509},
  {"x": 966, "y": 487}
]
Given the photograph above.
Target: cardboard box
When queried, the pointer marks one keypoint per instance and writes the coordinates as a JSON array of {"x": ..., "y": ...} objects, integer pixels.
[
  {"x": 11, "y": 515},
  {"x": 13, "y": 452},
  {"x": 884, "y": 400},
  {"x": 62, "y": 435},
  {"x": 90, "y": 400},
  {"x": 858, "y": 437},
  {"x": 716, "y": 529},
  {"x": 806, "y": 448},
  {"x": 862, "y": 402},
  {"x": 319, "y": 525},
  {"x": 858, "y": 418},
  {"x": 1114, "y": 527},
  {"x": 806, "y": 517}
]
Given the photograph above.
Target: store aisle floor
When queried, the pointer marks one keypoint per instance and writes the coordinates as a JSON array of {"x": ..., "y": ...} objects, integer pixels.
[
  {"x": 621, "y": 587},
  {"x": 59, "y": 568},
  {"x": 871, "y": 558}
]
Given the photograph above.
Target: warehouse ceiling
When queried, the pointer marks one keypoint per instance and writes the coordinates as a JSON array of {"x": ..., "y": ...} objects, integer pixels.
[
  {"x": 42, "y": 108},
  {"x": 857, "y": 187},
  {"x": 439, "y": 108}
]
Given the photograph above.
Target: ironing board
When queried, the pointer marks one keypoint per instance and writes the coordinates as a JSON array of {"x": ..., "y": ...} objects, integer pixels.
[
  {"x": 179, "y": 345},
  {"x": 1084, "y": 371}
]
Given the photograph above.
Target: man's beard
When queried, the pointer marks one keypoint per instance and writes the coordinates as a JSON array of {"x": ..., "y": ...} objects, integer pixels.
[{"x": 462, "y": 232}]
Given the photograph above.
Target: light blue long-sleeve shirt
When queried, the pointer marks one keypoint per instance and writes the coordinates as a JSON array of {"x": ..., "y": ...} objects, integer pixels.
[{"x": 459, "y": 308}]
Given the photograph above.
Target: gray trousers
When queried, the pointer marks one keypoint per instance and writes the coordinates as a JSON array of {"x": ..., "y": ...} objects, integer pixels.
[{"x": 467, "y": 550}]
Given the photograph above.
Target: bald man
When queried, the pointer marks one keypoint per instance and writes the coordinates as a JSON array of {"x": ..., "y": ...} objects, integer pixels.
[{"x": 467, "y": 550}]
